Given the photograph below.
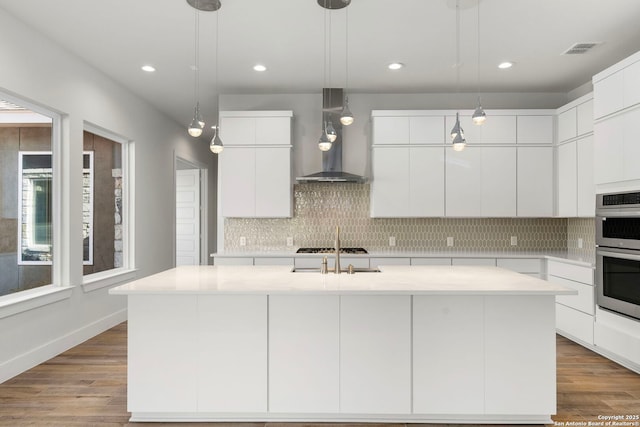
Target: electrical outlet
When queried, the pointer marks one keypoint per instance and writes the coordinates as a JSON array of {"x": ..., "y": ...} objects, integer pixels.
[
  {"x": 392, "y": 240},
  {"x": 449, "y": 241},
  {"x": 243, "y": 241},
  {"x": 580, "y": 243},
  {"x": 289, "y": 241},
  {"x": 514, "y": 240}
]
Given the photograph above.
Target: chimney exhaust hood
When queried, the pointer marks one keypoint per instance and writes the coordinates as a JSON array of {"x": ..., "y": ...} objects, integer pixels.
[{"x": 332, "y": 104}]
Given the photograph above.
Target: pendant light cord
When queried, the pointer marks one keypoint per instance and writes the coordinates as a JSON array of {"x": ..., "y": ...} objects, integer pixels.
[
  {"x": 346, "y": 49},
  {"x": 196, "y": 49},
  {"x": 215, "y": 88},
  {"x": 478, "y": 50},
  {"x": 458, "y": 65}
]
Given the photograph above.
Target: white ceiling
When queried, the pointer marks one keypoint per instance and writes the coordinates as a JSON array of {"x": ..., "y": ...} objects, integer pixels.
[{"x": 119, "y": 36}]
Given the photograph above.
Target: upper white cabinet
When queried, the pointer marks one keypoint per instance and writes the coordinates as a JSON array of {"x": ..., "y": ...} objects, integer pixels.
[
  {"x": 255, "y": 167},
  {"x": 575, "y": 154},
  {"x": 505, "y": 171},
  {"x": 608, "y": 95},
  {"x": 617, "y": 87}
]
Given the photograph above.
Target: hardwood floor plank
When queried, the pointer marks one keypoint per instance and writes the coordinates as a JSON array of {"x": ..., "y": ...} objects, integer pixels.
[{"x": 87, "y": 386}]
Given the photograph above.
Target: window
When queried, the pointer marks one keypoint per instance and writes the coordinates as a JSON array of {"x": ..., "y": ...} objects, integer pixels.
[
  {"x": 105, "y": 187},
  {"x": 27, "y": 188}
]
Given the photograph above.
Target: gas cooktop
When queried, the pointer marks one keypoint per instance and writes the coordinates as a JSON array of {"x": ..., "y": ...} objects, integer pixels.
[{"x": 355, "y": 251}]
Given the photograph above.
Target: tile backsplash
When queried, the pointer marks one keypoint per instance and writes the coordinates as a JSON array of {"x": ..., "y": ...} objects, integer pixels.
[
  {"x": 585, "y": 229},
  {"x": 320, "y": 207}
]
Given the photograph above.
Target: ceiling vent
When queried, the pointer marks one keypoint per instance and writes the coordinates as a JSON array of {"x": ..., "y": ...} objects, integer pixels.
[{"x": 580, "y": 48}]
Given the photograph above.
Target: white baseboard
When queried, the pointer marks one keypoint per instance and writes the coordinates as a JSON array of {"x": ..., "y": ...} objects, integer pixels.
[{"x": 46, "y": 351}]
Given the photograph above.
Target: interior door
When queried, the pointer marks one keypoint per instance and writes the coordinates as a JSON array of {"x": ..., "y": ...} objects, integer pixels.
[{"x": 188, "y": 217}]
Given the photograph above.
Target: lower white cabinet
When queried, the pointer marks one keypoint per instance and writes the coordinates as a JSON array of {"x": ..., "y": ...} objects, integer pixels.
[
  {"x": 232, "y": 364},
  {"x": 375, "y": 334},
  {"x": 448, "y": 354},
  {"x": 304, "y": 353}
]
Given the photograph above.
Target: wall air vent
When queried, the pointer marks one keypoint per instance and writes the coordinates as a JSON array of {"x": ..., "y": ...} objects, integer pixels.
[{"x": 580, "y": 48}]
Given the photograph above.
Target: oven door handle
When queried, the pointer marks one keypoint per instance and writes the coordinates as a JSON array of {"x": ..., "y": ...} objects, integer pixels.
[
  {"x": 617, "y": 214},
  {"x": 619, "y": 253}
]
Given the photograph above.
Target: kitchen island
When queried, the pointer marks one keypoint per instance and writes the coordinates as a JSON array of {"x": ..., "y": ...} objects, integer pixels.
[{"x": 447, "y": 344}]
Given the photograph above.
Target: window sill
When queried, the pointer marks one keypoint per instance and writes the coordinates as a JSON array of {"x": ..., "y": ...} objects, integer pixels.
[
  {"x": 104, "y": 279},
  {"x": 32, "y": 298}
]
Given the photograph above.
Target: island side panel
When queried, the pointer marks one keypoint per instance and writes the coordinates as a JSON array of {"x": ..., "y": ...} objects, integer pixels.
[
  {"x": 375, "y": 354},
  {"x": 162, "y": 353},
  {"x": 304, "y": 354},
  {"x": 448, "y": 354},
  {"x": 520, "y": 353},
  {"x": 232, "y": 353}
]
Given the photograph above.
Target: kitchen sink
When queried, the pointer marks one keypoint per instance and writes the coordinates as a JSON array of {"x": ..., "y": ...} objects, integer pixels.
[{"x": 345, "y": 271}]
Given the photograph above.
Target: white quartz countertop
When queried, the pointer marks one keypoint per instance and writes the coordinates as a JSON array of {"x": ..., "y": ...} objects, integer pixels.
[{"x": 411, "y": 280}]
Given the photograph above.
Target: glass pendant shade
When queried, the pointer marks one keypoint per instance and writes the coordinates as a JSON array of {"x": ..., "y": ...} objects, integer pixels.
[
  {"x": 331, "y": 133},
  {"x": 457, "y": 129},
  {"x": 324, "y": 144},
  {"x": 346, "y": 117},
  {"x": 216, "y": 146},
  {"x": 479, "y": 116},
  {"x": 197, "y": 124},
  {"x": 459, "y": 142}
]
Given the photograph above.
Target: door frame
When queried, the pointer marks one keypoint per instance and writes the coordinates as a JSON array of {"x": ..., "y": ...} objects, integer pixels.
[{"x": 204, "y": 201}]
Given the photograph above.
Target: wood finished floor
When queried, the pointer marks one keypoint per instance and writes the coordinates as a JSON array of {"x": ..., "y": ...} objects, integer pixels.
[{"x": 87, "y": 386}]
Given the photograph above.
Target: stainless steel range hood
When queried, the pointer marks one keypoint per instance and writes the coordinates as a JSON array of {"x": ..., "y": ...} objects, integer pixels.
[{"x": 332, "y": 104}]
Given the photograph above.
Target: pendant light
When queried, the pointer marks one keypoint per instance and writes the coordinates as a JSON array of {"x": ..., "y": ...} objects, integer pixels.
[
  {"x": 346, "y": 117},
  {"x": 216, "y": 145},
  {"x": 479, "y": 116},
  {"x": 457, "y": 134},
  {"x": 324, "y": 144},
  {"x": 329, "y": 130},
  {"x": 197, "y": 124}
]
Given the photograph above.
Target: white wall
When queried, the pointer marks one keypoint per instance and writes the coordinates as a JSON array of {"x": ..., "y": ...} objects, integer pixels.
[
  {"x": 356, "y": 138},
  {"x": 35, "y": 69}
]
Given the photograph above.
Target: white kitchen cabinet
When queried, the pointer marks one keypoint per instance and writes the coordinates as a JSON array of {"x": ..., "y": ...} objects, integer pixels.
[
  {"x": 426, "y": 130},
  {"x": 535, "y": 182},
  {"x": 391, "y": 130},
  {"x": 407, "y": 182},
  {"x": 567, "y": 180},
  {"x": 304, "y": 353},
  {"x": 232, "y": 353},
  {"x": 608, "y": 94},
  {"x": 255, "y": 169},
  {"x": 616, "y": 149},
  {"x": 409, "y": 129},
  {"x": 631, "y": 91},
  {"x": 567, "y": 125},
  {"x": 366, "y": 383},
  {"x": 584, "y": 117},
  {"x": 481, "y": 181},
  {"x": 156, "y": 342},
  {"x": 530, "y": 266},
  {"x": 535, "y": 129},
  {"x": 519, "y": 333},
  {"x": 448, "y": 354},
  {"x": 586, "y": 189},
  {"x": 630, "y": 145}
]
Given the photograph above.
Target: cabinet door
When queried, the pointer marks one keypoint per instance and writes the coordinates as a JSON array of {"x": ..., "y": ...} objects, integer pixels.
[
  {"x": 232, "y": 361},
  {"x": 272, "y": 130},
  {"x": 238, "y": 130},
  {"x": 426, "y": 130},
  {"x": 498, "y": 130},
  {"x": 586, "y": 191},
  {"x": 375, "y": 367},
  {"x": 390, "y": 186},
  {"x": 463, "y": 182},
  {"x": 238, "y": 176},
  {"x": 426, "y": 181},
  {"x": 567, "y": 125},
  {"x": 391, "y": 130},
  {"x": 631, "y": 91},
  {"x": 498, "y": 182},
  {"x": 567, "y": 180},
  {"x": 273, "y": 182},
  {"x": 584, "y": 113},
  {"x": 167, "y": 356},
  {"x": 535, "y": 181},
  {"x": 607, "y": 150},
  {"x": 535, "y": 129},
  {"x": 631, "y": 147},
  {"x": 608, "y": 95},
  {"x": 304, "y": 353},
  {"x": 448, "y": 354}
]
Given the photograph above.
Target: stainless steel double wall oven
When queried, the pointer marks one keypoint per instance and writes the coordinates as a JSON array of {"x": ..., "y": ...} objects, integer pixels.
[{"x": 618, "y": 252}]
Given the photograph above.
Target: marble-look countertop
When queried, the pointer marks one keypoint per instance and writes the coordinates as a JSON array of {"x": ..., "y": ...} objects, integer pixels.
[{"x": 396, "y": 280}]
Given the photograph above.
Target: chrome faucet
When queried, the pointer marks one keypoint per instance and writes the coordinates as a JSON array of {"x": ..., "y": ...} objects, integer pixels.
[{"x": 337, "y": 245}]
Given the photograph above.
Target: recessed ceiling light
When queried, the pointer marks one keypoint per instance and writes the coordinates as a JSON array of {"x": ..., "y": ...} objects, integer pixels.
[
  {"x": 505, "y": 65},
  {"x": 395, "y": 65},
  {"x": 259, "y": 67},
  {"x": 148, "y": 68}
]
